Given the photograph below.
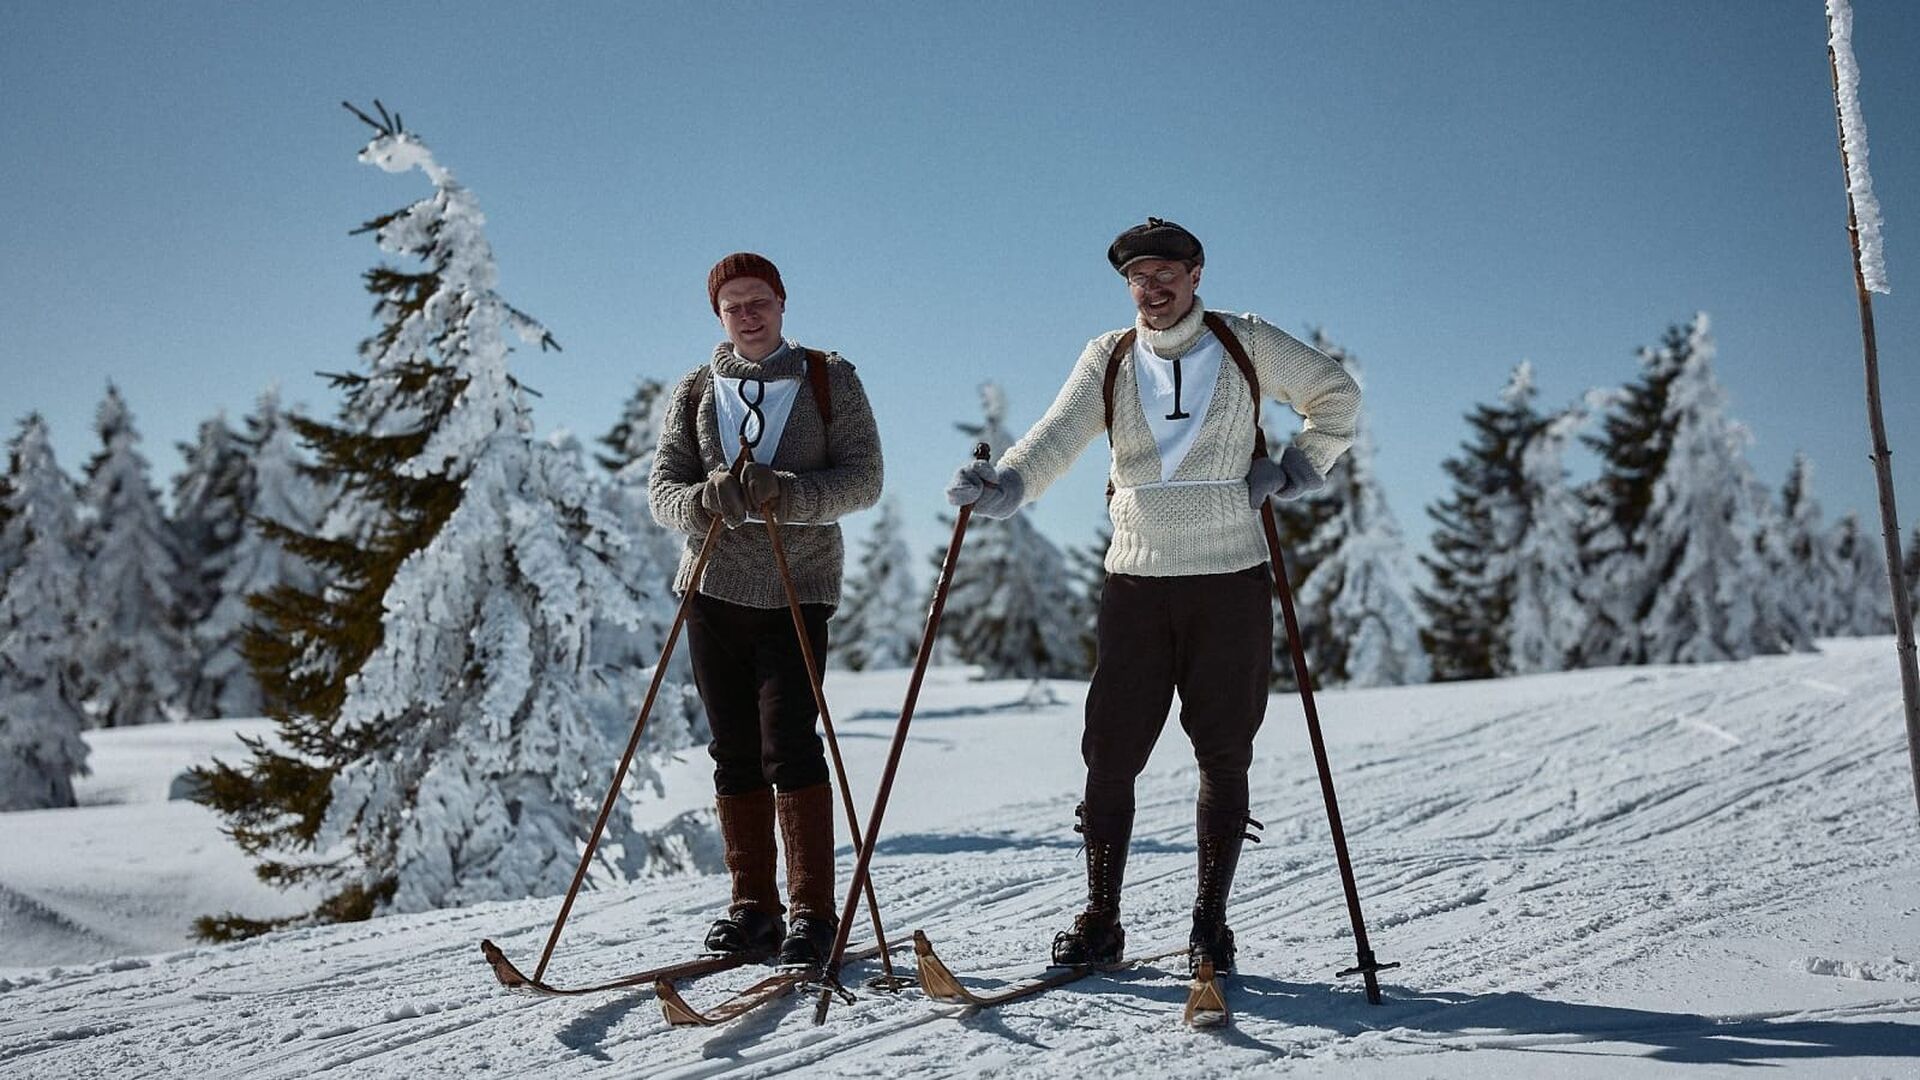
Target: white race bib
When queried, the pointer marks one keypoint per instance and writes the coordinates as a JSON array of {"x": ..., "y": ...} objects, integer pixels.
[
  {"x": 1175, "y": 394},
  {"x": 755, "y": 408},
  {"x": 753, "y": 412}
]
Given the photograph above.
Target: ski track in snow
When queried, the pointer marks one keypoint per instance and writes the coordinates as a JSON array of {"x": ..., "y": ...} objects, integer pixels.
[{"x": 1609, "y": 873}]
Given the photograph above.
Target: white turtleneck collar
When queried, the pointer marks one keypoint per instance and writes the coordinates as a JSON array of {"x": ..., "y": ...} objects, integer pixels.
[{"x": 1175, "y": 340}]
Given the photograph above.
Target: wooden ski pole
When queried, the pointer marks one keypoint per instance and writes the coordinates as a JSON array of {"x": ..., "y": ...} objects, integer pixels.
[
  {"x": 1882, "y": 457},
  {"x": 1367, "y": 967},
  {"x": 889, "y": 980},
  {"x": 861, "y": 870},
  {"x": 633, "y": 744}
]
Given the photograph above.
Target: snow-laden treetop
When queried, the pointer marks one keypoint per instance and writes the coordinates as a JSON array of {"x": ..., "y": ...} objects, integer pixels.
[{"x": 461, "y": 316}]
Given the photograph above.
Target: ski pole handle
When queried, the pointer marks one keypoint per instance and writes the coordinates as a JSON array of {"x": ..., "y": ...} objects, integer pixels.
[{"x": 981, "y": 453}]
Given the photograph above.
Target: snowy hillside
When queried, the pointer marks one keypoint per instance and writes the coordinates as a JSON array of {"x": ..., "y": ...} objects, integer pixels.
[{"x": 1615, "y": 873}]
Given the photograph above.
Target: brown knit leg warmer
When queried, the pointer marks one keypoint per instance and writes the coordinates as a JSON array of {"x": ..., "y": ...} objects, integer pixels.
[
  {"x": 806, "y": 830},
  {"x": 746, "y": 827}
]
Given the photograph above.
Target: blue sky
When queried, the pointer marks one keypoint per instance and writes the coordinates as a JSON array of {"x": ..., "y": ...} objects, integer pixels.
[{"x": 1446, "y": 188}]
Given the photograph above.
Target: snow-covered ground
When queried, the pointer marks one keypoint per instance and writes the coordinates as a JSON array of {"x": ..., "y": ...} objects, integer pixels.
[{"x": 1619, "y": 873}]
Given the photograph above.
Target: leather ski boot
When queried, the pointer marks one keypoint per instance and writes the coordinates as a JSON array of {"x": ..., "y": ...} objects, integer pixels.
[
  {"x": 1096, "y": 936},
  {"x": 806, "y": 829},
  {"x": 1212, "y": 939},
  {"x": 808, "y": 942},
  {"x": 746, "y": 932},
  {"x": 752, "y": 925}
]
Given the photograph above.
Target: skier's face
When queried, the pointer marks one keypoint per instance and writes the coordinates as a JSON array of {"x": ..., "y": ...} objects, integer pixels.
[
  {"x": 1162, "y": 289},
  {"x": 750, "y": 312}
]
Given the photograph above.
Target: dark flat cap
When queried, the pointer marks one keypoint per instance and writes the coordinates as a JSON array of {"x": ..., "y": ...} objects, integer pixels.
[{"x": 1157, "y": 239}]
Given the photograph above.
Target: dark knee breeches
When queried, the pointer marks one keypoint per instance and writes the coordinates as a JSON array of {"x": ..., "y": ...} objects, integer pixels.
[
  {"x": 1207, "y": 636},
  {"x": 759, "y": 701}
]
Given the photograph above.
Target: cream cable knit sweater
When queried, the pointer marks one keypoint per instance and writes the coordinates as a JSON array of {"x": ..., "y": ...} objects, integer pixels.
[{"x": 1207, "y": 528}]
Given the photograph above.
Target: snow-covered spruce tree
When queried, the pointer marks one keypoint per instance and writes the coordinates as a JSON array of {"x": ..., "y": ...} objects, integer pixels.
[
  {"x": 1356, "y": 603},
  {"x": 1798, "y": 554},
  {"x": 1469, "y": 607},
  {"x": 632, "y": 440},
  {"x": 651, "y": 553},
  {"x": 279, "y": 499},
  {"x": 8, "y": 556},
  {"x": 880, "y": 622},
  {"x": 623, "y": 656},
  {"x": 1304, "y": 527},
  {"x": 40, "y": 697},
  {"x": 1088, "y": 568},
  {"x": 438, "y": 751},
  {"x": 1911, "y": 563},
  {"x": 212, "y": 497},
  {"x": 1632, "y": 445},
  {"x": 1010, "y": 608},
  {"x": 1710, "y": 596},
  {"x": 1864, "y": 604},
  {"x": 132, "y": 646},
  {"x": 1547, "y": 615}
]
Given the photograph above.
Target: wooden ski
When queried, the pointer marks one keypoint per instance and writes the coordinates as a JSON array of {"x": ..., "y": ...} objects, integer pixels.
[
  {"x": 512, "y": 978},
  {"x": 940, "y": 983},
  {"x": 768, "y": 990}
]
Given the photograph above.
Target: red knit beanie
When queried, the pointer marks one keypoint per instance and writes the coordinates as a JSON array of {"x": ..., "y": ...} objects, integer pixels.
[{"x": 743, "y": 264}]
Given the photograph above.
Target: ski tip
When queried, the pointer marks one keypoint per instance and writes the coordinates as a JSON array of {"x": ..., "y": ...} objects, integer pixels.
[
  {"x": 503, "y": 969},
  {"x": 675, "y": 1008},
  {"x": 937, "y": 980}
]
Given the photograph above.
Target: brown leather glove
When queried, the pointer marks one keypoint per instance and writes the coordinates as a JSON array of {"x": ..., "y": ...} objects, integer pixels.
[
  {"x": 723, "y": 497},
  {"x": 763, "y": 486}
]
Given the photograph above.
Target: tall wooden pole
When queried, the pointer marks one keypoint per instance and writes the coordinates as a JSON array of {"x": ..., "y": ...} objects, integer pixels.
[{"x": 1882, "y": 458}]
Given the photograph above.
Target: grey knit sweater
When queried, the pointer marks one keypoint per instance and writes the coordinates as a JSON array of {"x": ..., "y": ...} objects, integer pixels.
[
  {"x": 826, "y": 472},
  {"x": 1201, "y": 523}
]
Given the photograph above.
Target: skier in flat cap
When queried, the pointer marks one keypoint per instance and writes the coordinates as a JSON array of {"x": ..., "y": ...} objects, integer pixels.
[{"x": 1187, "y": 604}]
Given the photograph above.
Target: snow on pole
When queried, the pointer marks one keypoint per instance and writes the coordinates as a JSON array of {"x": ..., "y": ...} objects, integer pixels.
[{"x": 1853, "y": 141}]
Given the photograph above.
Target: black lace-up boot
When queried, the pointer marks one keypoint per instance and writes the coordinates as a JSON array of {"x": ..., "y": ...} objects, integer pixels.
[
  {"x": 1096, "y": 936},
  {"x": 1212, "y": 939}
]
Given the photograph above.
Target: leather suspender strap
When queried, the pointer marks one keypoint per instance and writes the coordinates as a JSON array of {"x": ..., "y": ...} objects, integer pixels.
[
  {"x": 1240, "y": 360},
  {"x": 1120, "y": 349},
  {"x": 817, "y": 378},
  {"x": 1234, "y": 349}
]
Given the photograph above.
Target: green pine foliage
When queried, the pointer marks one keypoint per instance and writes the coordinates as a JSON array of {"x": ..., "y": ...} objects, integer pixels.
[
  {"x": 1634, "y": 440},
  {"x": 1308, "y": 534},
  {"x": 1468, "y": 605},
  {"x": 1911, "y": 570},
  {"x": 635, "y": 434},
  {"x": 1633, "y": 446},
  {"x": 307, "y": 644},
  {"x": 6, "y": 515}
]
